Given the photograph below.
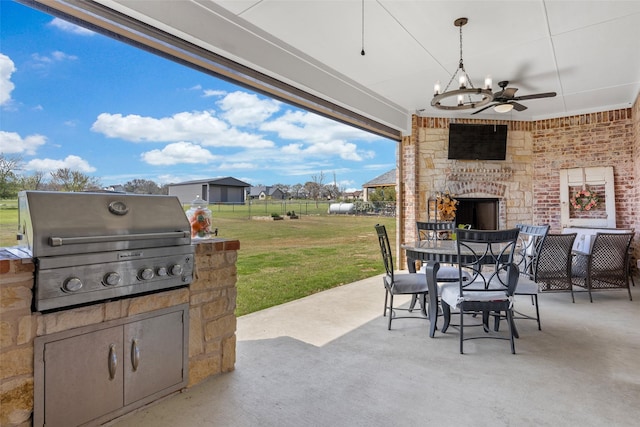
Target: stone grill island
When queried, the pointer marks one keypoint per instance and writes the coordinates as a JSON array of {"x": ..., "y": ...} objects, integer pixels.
[{"x": 210, "y": 343}]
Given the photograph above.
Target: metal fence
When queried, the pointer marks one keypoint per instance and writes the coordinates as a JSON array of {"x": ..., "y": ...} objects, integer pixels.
[{"x": 304, "y": 207}]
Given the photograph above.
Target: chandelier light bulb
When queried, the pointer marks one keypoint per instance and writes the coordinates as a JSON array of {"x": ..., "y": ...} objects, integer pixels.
[
  {"x": 436, "y": 88},
  {"x": 460, "y": 100},
  {"x": 488, "y": 83},
  {"x": 463, "y": 82}
]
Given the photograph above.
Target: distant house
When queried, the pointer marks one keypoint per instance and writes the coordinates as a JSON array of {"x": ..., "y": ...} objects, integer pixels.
[
  {"x": 261, "y": 192},
  {"x": 387, "y": 179},
  {"x": 353, "y": 195},
  {"x": 217, "y": 190}
]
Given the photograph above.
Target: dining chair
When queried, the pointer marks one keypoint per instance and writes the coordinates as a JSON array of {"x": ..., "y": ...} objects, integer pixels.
[
  {"x": 395, "y": 283},
  {"x": 435, "y": 230},
  {"x": 552, "y": 271},
  {"x": 488, "y": 256},
  {"x": 432, "y": 231},
  {"x": 606, "y": 266},
  {"x": 530, "y": 241}
]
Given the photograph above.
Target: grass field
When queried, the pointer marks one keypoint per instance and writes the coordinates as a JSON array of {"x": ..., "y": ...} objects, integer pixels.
[{"x": 280, "y": 261}]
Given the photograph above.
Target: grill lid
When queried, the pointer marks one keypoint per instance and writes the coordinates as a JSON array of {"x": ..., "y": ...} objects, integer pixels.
[{"x": 56, "y": 223}]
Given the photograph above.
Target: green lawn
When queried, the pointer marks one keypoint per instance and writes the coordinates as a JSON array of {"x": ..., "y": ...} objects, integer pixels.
[{"x": 281, "y": 261}]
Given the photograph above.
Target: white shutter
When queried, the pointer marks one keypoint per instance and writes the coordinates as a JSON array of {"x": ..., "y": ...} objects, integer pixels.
[{"x": 579, "y": 177}]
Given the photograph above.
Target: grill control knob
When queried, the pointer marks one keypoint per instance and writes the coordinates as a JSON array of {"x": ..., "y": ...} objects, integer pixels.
[
  {"x": 161, "y": 271},
  {"x": 111, "y": 279},
  {"x": 72, "y": 284},
  {"x": 176, "y": 270},
  {"x": 146, "y": 274}
]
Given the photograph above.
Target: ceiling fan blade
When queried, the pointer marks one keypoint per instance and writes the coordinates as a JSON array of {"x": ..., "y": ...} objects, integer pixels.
[
  {"x": 508, "y": 92},
  {"x": 535, "y": 96},
  {"x": 485, "y": 107},
  {"x": 518, "y": 107}
]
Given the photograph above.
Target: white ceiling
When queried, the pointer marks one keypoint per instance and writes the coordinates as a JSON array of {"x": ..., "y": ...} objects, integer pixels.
[{"x": 586, "y": 51}]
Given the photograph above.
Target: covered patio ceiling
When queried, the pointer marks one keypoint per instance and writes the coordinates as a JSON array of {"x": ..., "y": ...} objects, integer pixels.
[{"x": 308, "y": 52}]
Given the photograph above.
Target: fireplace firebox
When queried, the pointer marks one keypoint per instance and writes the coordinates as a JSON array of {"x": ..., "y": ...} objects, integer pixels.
[{"x": 481, "y": 213}]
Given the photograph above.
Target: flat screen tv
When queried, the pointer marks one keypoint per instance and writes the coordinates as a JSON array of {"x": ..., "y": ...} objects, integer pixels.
[{"x": 477, "y": 142}]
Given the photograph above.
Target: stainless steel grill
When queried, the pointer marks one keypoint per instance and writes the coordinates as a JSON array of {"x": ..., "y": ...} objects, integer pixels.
[{"x": 90, "y": 247}]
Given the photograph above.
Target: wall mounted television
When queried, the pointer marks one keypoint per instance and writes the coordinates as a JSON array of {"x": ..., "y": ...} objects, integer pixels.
[{"x": 477, "y": 142}]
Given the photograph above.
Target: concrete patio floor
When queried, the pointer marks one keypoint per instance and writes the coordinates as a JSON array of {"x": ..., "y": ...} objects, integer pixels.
[{"x": 329, "y": 360}]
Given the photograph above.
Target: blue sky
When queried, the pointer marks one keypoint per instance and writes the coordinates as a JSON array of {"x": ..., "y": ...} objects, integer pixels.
[{"x": 77, "y": 99}]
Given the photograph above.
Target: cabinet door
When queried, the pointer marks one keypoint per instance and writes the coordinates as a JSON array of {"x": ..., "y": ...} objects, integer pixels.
[
  {"x": 83, "y": 377},
  {"x": 154, "y": 357}
]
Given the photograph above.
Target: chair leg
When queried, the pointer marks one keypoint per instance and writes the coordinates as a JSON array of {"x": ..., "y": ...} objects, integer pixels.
[
  {"x": 414, "y": 299},
  {"x": 573, "y": 298},
  {"x": 390, "y": 310},
  {"x": 446, "y": 313},
  {"x": 511, "y": 334},
  {"x": 461, "y": 329},
  {"x": 485, "y": 321},
  {"x": 423, "y": 302},
  {"x": 433, "y": 312},
  {"x": 535, "y": 298},
  {"x": 386, "y": 296}
]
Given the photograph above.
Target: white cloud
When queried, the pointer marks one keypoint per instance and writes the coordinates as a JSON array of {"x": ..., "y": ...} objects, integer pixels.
[
  {"x": 68, "y": 27},
  {"x": 345, "y": 150},
  {"x": 56, "y": 56},
  {"x": 311, "y": 128},
  {"x": 178, "y": 152},
  {"x": 212, "y": 92},
  {"x": 72, "y": 162},
  {"x": 197, "y": 126},
  {"x": 43, "y": 63},
  {"x": 318, "y": 136},
  {"x": 7, "y": 67},
  {"x": 245, "y": 109},
  {"x": 61, "y": 56},
  {"x": 11, "y": 142}
]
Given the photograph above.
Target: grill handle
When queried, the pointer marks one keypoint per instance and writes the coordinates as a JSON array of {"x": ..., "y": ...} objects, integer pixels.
[{"x": 60, "y": 241}]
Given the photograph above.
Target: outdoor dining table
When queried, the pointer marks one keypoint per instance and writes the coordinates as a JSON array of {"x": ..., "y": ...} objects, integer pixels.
[{"x": 444, "y": 251}]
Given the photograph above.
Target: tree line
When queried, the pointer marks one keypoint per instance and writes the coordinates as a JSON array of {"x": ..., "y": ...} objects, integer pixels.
[
  {"x": 66, "y": 179},
  {"x": 63, "y": 179}
]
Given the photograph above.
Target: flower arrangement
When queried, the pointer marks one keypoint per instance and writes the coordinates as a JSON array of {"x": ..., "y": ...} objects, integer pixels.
[
  {"x": 446, "y": 206},
  {"x": 584, "y": 200}
]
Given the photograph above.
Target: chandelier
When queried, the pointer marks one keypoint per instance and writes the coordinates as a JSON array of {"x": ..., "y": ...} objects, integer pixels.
[{"x": 466, "y": 96}]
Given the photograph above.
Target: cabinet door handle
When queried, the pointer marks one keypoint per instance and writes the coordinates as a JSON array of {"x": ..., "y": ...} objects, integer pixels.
[
  {"x": 113, "y": 361},
  {"x": 135, "y": 355}
]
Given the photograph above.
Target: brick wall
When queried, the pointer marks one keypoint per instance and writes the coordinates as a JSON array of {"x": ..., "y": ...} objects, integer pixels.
[
  {"x": 597, "y": 139},
  {"x": 536, "y": 151}
]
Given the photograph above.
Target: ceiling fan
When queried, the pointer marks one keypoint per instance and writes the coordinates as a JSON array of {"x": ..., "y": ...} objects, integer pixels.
[{"x": 504, "y": 100}]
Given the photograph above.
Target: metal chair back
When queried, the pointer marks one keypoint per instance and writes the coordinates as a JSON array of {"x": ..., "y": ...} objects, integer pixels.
[{"x": 434, "y": 230}]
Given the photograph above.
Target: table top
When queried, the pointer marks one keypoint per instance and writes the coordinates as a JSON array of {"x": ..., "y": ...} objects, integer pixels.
[
  {"x": 431, "y": 246},
  {"x": 445, "y": 247},
  {"x": 446, "y": 251}
]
